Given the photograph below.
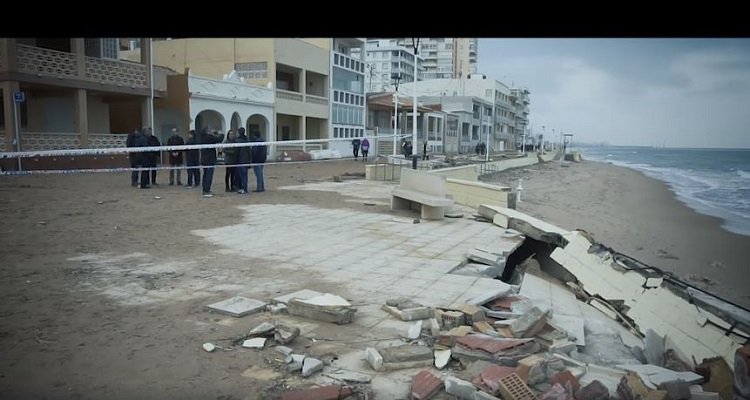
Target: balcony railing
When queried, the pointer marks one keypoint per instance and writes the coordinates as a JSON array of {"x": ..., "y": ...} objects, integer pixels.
[
  {"x": 289, "y": 95},
  {"x": 316, "y": 99},
  {"x": 36, "y": 60},
  {"x": 116, "y": 72},
  {"x": 62, "y": 64}
]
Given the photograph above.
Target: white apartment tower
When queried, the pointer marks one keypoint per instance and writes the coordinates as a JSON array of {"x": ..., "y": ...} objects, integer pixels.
[
  {"x": 445, "y": 58},
  {"x": 385, "y": 59}
]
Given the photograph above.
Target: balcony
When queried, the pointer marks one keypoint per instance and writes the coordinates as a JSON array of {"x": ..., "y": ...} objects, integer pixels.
[
  {"x": 60, "y": 64},
  {"x": 289, "y": 95},
  {"x": 344, "y": 61}
]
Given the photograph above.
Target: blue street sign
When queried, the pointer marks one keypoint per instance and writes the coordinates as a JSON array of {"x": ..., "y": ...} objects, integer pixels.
[{"x": 19, "y": 97}]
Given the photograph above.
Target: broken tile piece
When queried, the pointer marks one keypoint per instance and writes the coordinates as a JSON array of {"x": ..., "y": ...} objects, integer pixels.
[
  {"x": 237, "y": 306},
  {"x": 255, "y": 343},
  {"x": 424, "y": 385}
]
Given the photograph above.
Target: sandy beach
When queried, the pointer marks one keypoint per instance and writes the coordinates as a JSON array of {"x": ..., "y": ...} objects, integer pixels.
[
  {"x": 104, "y": 286},
  {"x": 638, "y": 216}
]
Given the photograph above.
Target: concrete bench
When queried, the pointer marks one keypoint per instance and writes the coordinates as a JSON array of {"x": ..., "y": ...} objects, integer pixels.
[{"x": 421, "y": 191}]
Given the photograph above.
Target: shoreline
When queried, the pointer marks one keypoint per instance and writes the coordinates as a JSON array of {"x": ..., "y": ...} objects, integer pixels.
[{"x": 640, "y": 216}]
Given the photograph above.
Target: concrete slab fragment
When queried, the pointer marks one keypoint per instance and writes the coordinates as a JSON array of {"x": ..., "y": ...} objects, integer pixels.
[
  {"x": 653, "y": 375},
  {"x": 300, "y": 294},
  {"x": 255, "y": 343},
  {"x": 441, "y": 358},
  {"x": 237, "y": 306}
]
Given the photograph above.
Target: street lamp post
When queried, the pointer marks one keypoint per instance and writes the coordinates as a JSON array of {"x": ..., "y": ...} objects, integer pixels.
[
  {"x": 397, "y": 78},
  {"x": 414, "y": 145}
]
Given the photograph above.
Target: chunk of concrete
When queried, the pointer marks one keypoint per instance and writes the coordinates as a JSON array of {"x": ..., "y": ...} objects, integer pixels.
[
  {"x": 276, "y": 308},
  {"x": 284, "y": 350},
  {"x": 442, "y": 357},
  {"x": 564, "y": 346},
  {"x": 414, "y": 330},
  {"x": 303, "y": 294},
  {"x": 263, "y": 329},
  {"x": 297, "y": 360},
  {"x": 654, "y": 348},
  {"x": 327, "y": 308},
  {"x": 237, "y": 306},
  {"x": 209, "y": 347},
  {"x": 349, "y": 376},
  {"x": 409, "y": 314},
  {"x": 402, "y": 303},
  {"x": 405, "y": 353},
  {"x": 374, "y": 358},
  {"x": 593, "y": 391},
  {"x": 285, "y": 334},
  {"x": 311, "y": 366},
  {"x": 487, "y": 296},
  {"x": 459, "y": 388},
  {"x": 529, "y": 324},
  {"x": 472, "y": 313},
  {"x": 433, "y": 327},
  {"x": 676, "y": 390},
  {"x": 255, "y": 343},
  {"x": 653, "y": 375}
]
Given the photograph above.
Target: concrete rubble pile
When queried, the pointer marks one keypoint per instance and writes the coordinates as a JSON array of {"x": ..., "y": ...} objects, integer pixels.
[{"x": 581, "y": 322}]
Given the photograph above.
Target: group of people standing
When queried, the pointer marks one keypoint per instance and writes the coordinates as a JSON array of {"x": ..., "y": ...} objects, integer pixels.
[
  {"x": 364, "y": 144},
  {"x": 197, "y": 159}
]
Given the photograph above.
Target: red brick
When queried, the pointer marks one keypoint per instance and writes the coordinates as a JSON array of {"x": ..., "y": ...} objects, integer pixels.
[
  {"x": 488, "y": 344},
  {"x": 567, "y": 381},
  {"x": 513, "y": 388},
  {"x": 593, "y": 391},
  {"x": 505, "y": 303},
  {"x": 425, "y": 385},
  {"x": 331, "y": 392},
  {"x": 556, "y": 392}
]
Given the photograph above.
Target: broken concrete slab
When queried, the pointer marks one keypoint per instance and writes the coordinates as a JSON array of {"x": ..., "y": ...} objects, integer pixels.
[
  {"x": 263, "y": 329},
  {"x": 285, "y": 334},
  {"x": 525, "y": 224},
  {"x": 433, "y": 326},
  {"x": 653, "y": 376},
  {"x": 209, "y": 347},
  {"x": 237, "y": 306},
  {"x": 424, "y": 385},
  {"x": 487, "y": 258},
  {"x": 402, "y": 303},
  {"x": 529, "y": 324},
  {"x": 326, "y": 307},
  {"x": 405, "y": 353},
  {"x": 296, "y": 362},
  {"x": 310, "y": 366},
  {"x": 303, "y": 294},
  {"x": 654, "y": 348},
  {"x": 276, "y": 308},
  {"x": 374, "y": 358},
  {"x": 486, "y": 297},
  {"x": 459, "y": 388},
  {"x": 478, "y": 270},
  {"x": 488, "y": 343},
  {"x": 563, "y": 346},
  {"x": 472, "y": 313},
  {"x": 485, "y": 328},
  {"x": 349, "y": 376},
  {"x": 442, "y": 357},
  {"x": 284, "y": 350},
  {"x": 414, "y": 330},
  {"x": 255, "y": 343},
  {"x": 409, "y": 314},
  {"x": 664, "y": 309}
]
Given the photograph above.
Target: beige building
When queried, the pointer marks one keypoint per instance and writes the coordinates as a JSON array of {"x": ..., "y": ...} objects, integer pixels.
[
  {"x": 306, "y": 75},
  {"x": 78, "y": 93}
]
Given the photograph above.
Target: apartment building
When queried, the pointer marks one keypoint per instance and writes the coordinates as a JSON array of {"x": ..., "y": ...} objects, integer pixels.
[
  {"x": 386, "y": 60},
  {"x": 74, "y": 92},
  {"x": 497, "y": 115}
]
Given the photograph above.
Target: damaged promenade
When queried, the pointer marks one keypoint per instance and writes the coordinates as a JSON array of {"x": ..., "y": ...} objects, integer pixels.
[{"x": 490, "y": 303}]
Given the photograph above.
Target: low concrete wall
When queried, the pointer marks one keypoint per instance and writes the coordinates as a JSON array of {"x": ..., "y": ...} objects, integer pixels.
[
  {"x": 472, "y": 193},
  {"x": 466, "y": 172}
]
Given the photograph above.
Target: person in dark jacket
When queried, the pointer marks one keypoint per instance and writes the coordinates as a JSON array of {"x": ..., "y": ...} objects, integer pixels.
[
  {"x": 208, "y": 158},
  {"x": 142, "y": 158},
  {"x": 153, "y": 156},
  {"x": 355, "y": 147},
  {"x": 133, "y": 157},
  {"x": 259, "y": 158},
  {"x": 193, "y": 160},
  {"x": 230, "y": 158},
  {"x": 175, "y": 157},
  {"x": 243, "y": 157}
]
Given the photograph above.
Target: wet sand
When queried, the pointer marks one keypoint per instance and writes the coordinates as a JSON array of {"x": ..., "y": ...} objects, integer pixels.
[{"x": 641, "y": 217}]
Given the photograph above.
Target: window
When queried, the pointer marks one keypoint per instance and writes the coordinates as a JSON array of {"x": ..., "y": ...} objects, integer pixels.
[
  {"x": 335, "y": 95},
  {"x": 346, "y": 62},
  {"x": 335, "y": 58},
  {"x": 335, "y": 132},
  {"x": 346, "y": 98},
  {"x": 254, "y": 70},
  {"x": 102, "y": 48}
]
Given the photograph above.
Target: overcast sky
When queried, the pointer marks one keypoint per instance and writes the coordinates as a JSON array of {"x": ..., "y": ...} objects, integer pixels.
[{"x": 673, "y": 92}]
